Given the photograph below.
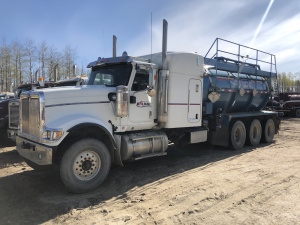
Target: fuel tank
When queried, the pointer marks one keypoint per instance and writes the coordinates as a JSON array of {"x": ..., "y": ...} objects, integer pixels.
[{"x": 241, "y": 93}]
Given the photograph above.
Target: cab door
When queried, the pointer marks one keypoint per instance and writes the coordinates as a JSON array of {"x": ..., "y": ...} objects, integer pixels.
[
  {"x": 141, "y": 108},
  {"x": 194, "y": 98}
]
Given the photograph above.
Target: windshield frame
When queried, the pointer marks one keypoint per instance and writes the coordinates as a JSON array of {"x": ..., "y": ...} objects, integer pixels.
[{"x": 96, "y": 69}]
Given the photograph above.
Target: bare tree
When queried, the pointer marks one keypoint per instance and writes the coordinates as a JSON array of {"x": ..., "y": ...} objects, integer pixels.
[
  {"x": 54, "y": 58},
  {"x": 70, "y": 54},
  {"x": 43, "y": 57},
  {"x": 5, "y": 65},
  {"x": 17, "y": 60},
  {"x": 30, "y": 52}
]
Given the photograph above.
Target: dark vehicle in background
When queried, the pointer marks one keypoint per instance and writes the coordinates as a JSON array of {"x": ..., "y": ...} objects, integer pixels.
[
  {"x": 4, "y": 105},
  {"x": 71, "y": 82},
  {"x": 287, "y": 103},
  {"x": 6, "y": 95}
]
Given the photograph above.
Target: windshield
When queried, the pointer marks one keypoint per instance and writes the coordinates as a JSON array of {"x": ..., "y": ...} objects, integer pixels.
[
  {"x": 2, "y": 97},
  {"x": 20, "y": 90},
  {"x": 110, "y": 75}
]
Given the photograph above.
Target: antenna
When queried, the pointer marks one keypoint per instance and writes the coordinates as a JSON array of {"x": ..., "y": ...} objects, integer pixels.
[
  {"x": 151, "y": 37},
  {"x": 103, "y": 43}
]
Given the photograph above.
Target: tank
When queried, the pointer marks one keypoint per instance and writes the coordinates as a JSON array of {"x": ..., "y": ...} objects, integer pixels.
[{"x": 229, "y": 86}]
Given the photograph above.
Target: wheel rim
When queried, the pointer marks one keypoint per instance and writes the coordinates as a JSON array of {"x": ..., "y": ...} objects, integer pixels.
[
  {"x": 86, "y": 165},
  {"x": 255, "y": 133},
  {"x": 237, "y": 135},
  {"x": 270, "y": 130}
]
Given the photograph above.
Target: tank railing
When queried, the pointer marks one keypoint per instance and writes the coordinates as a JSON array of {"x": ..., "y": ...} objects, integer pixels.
[
  {"x": 258, "y": 60},
  {"x": 238, "y": 66},
  {"x": 239, "y": 56}
]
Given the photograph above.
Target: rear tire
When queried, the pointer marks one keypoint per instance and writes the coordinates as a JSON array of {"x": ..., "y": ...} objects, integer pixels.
[
  {"x": 238, "y": 135},
  {"x": 85, "y": 165},
  {"x": 269, "y": 131},
  {"x": 254, "y": 133}
]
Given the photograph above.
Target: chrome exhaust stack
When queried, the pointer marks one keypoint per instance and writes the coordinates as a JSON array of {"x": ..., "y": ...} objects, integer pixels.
[
  {"x": 163, "y": 83},
  {"x": 164, "y": 45},
  {"x": 74, "y": 70},
  {"x": 55, "y": 72},
  {"x": 114, "y": 46}
]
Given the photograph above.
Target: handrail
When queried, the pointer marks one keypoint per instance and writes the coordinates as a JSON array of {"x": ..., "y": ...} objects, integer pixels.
[{"x": 240, "y": 66}]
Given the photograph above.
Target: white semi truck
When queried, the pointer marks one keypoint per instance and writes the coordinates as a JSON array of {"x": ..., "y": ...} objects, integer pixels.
[{"x": 133, "y": 107}]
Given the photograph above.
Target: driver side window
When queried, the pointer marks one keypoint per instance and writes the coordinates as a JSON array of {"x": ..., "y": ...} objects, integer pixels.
[{"x": 141, "y": 80}]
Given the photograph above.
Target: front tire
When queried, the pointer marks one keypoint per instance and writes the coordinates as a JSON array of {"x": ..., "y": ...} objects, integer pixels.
[
  {"x": 85, "y": 165},
  {"x": 238, "y": 135}
]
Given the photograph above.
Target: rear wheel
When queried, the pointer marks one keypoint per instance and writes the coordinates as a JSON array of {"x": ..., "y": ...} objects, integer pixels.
[
  {"x": 269, "y": 131},
  {"x": 254, "y": 133},
  {"x": 85, "y": 165},
  {"x": 298, "y": 113},
  {"x": 238, "y": 135}
]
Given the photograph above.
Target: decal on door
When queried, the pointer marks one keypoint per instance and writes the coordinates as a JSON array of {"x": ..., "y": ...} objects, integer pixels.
[{"x": 143, "y": 104}]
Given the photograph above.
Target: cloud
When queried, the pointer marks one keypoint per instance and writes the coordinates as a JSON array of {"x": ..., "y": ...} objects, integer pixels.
[{"x": 194, "y": 27}]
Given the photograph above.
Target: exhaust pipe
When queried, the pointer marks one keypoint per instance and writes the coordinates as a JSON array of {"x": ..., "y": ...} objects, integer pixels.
[
  {"x": 163, "y": 83},
  {"x": 35, "y": 76},
  {"x": 74, "y": 70},
  {"x": 114, "y": 46},
  {"x": 164, "y": 45},
  {"x": 55, "y": 72}
]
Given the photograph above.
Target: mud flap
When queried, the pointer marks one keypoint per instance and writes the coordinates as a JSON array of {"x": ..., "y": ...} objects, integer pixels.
[{"x": 117, "y": 151}]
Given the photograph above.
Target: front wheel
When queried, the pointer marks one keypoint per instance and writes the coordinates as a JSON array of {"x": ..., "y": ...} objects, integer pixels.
[
  {"x": 85, "y": 165},
  {"x": 238, "y": 135}
]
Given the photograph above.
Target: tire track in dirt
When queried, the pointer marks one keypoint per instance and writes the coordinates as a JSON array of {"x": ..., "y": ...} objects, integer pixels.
[{"x": 266, "y": 188}]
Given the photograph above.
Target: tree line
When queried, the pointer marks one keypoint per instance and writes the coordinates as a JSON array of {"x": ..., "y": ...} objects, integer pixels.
[
  {"x": 288, "y": 82},
  {"x": 23, "y": 61}
]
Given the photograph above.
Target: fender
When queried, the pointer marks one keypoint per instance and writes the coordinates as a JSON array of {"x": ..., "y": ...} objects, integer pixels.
[
  {"x": 71, "y": 123},
  {"x": 116, "y": 150}
]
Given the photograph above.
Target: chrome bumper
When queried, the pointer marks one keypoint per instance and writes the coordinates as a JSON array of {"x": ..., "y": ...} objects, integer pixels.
[
  {"x": 36, "y": 153},
  {"x": 11, "y": 134}
]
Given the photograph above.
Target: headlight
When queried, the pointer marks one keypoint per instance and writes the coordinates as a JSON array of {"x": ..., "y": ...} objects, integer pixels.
[{"x": 52, "y": 134}]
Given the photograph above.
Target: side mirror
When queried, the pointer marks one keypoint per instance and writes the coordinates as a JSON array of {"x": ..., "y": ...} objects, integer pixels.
[
  {"x": 152, "y": 77},
  {"x": 112, "y": 96},
  {"x": 151, "y": 92}
]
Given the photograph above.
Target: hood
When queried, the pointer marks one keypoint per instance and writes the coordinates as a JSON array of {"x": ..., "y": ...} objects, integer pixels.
[{"x": 78, "y": 94}]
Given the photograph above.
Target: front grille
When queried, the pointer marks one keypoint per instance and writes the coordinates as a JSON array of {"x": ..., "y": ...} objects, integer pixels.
[
  {"x": 30, "y": 115},
  {"x": 13, "y": 114}
]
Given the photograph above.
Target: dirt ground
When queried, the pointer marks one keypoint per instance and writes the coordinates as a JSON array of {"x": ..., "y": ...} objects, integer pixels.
[{"x": 201, "y": 184}]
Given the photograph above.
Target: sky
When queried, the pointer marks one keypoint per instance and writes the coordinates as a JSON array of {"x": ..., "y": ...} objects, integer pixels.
[{"x": 272, "y": 26}]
